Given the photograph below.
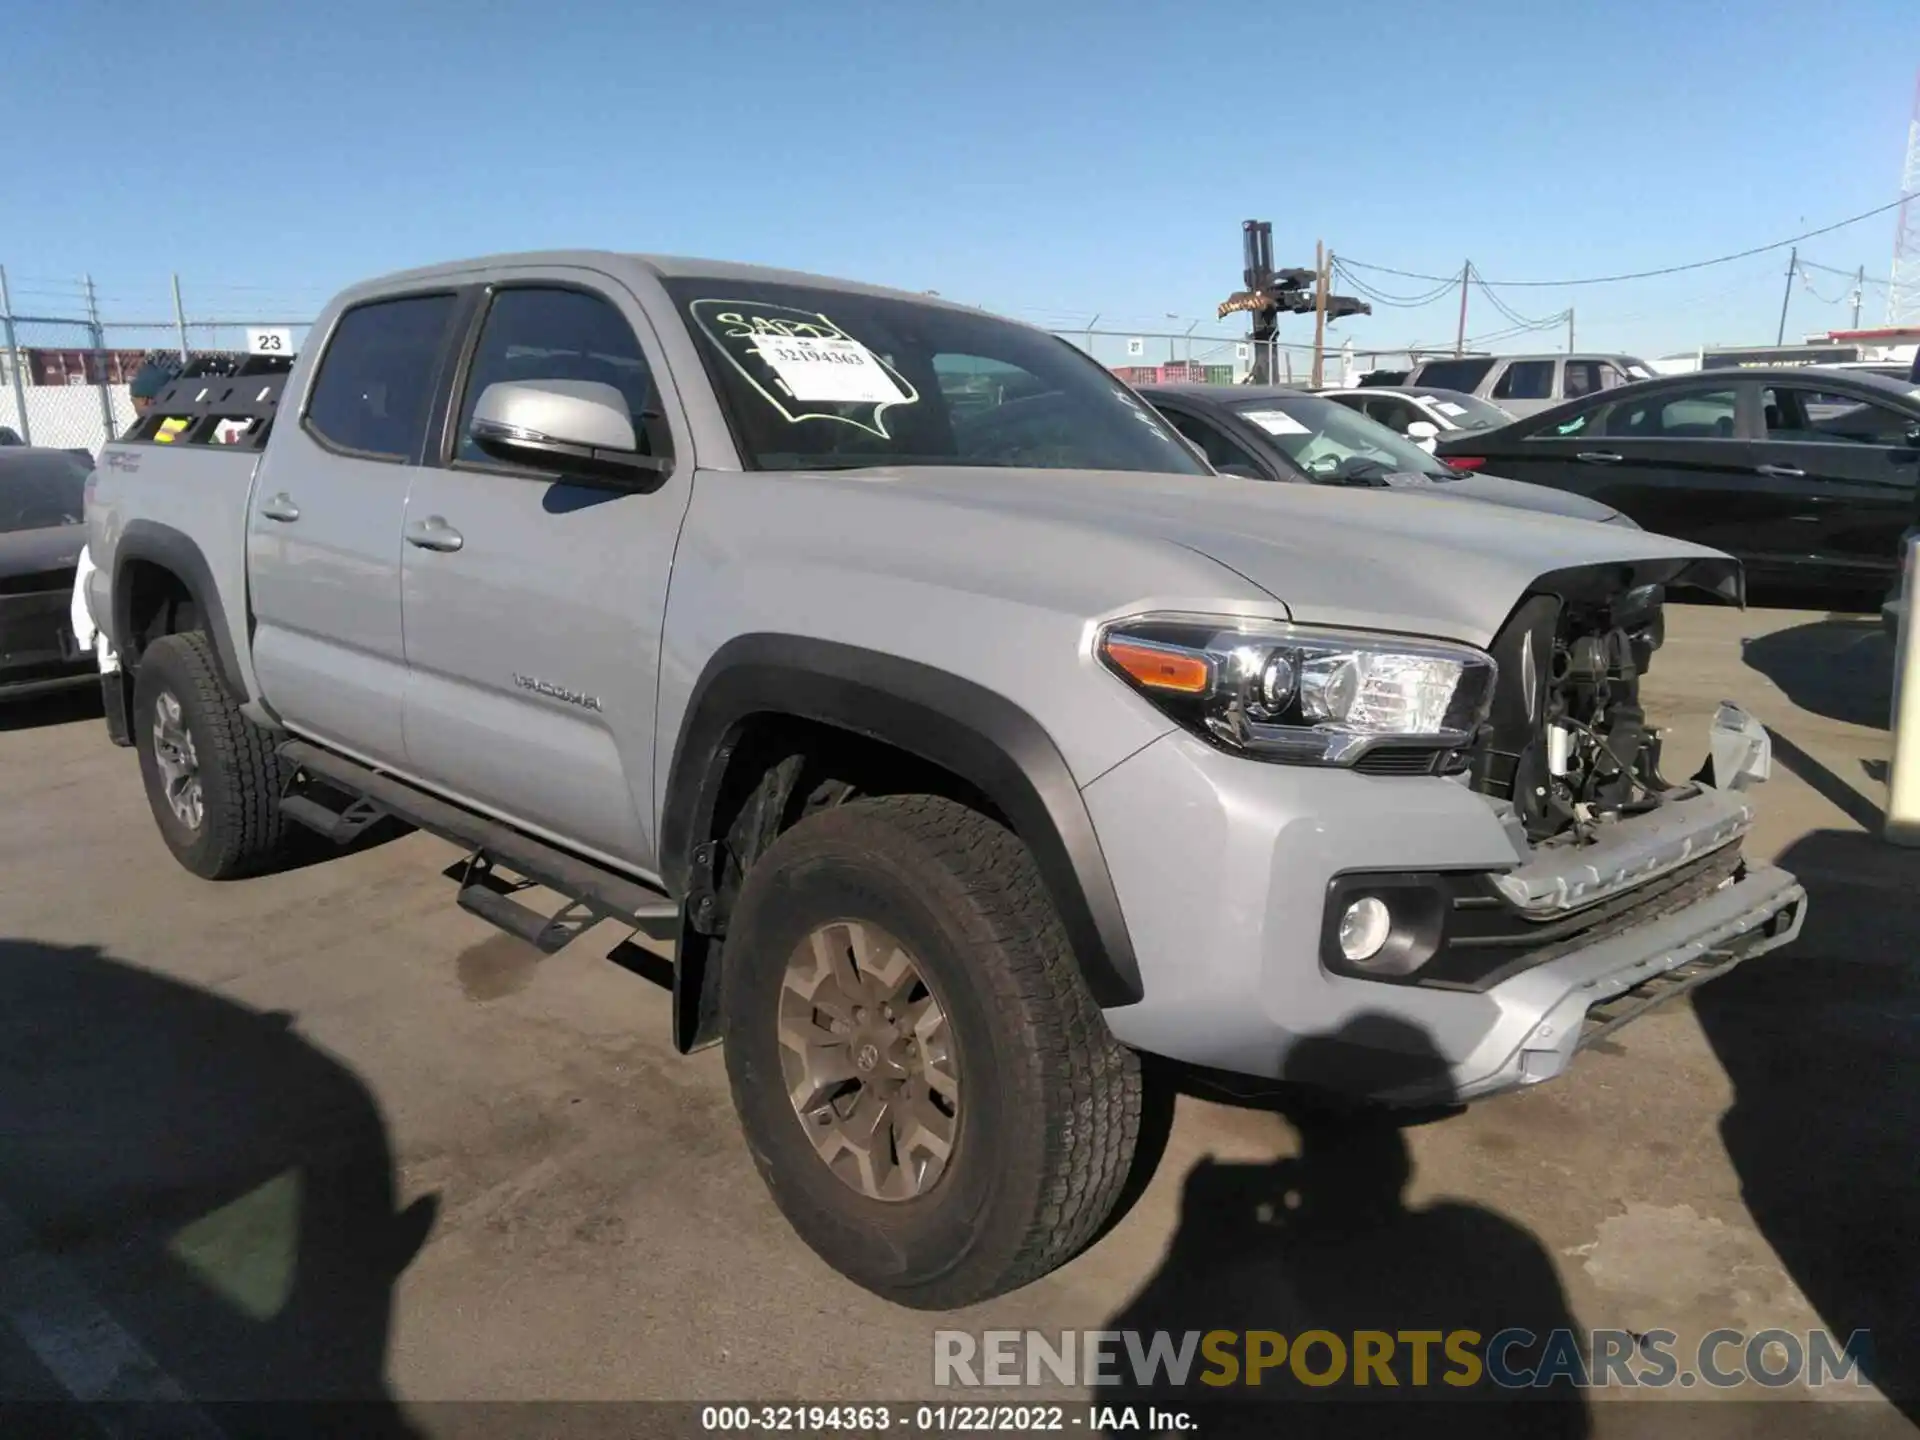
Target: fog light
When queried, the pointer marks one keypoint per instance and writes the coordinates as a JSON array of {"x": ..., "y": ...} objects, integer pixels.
[{"x": 1364, "y": 928}]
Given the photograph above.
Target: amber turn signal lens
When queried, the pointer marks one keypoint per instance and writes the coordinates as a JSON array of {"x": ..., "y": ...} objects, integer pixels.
[{"x": 1159, "y": 669}]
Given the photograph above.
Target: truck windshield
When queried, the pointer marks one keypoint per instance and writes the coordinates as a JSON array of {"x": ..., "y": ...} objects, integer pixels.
[
  {"x": 41, "y": 489},
  {"x": 813, "y": 378}
]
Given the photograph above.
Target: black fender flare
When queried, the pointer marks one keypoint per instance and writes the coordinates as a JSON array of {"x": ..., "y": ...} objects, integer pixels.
[
  {"x": 945, "y": 720},
  {"x": 175, "y": 551}
]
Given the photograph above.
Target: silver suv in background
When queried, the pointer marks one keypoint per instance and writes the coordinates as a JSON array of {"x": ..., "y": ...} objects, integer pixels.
[{"x": 1526, "y": 384}]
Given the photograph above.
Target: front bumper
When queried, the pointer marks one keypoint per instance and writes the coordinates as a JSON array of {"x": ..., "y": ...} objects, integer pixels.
[
  {"x": 1223, "y": 864},
  {"x": 38, "y": 651}
]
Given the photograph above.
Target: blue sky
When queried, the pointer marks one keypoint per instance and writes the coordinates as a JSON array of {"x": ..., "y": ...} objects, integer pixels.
[{"x": 1048, "y": 160}]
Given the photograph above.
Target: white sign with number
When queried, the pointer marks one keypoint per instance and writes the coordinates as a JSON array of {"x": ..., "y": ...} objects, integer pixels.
[
  {"x": 270, "y": 342},
  {"x": 1136, "y": 346},
  {"x": 828, "y": 371}
]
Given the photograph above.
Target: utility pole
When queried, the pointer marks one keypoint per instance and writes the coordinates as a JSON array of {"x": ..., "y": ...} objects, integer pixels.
[
  {"x": 1793, "y": 268},
  {"x": 1460, "y": 333},
  {"x": 100, "y": 353},
  {"x": 14, "y": 359},
  {"x": 1859, "y": 289},
  {"x": 180, "y": 318},
  {"x": 1319, "y": 310},
  {"x": 1569, "y": 330}
]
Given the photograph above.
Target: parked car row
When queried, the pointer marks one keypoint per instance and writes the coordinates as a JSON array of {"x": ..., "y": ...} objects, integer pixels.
[
  {"x": 1527, "y": 384},
  {"x": 1808, "y": 475},
  {"x": 1274, "y": 433}
]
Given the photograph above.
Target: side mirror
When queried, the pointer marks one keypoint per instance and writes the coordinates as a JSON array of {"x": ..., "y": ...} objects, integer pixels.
[
  {"x": 1913, "y": 437},
  {"x": 580, "y": 427},
  {"x": 1423, "y": 430}
]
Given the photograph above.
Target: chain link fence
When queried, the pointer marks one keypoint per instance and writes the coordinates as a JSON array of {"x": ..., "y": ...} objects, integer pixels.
[{"x": 65, "y": 379}]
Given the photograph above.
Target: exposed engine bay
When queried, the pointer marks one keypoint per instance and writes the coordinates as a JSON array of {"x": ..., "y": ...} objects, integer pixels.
[{"x": 1567, "y": 741}]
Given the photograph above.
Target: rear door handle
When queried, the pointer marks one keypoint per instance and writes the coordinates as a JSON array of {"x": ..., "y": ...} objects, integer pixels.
[
  {"x": 1598, "y": 457},
  {"x": 1781, "y": 472},
  {"x": 280, "y": 507},
  {"x": 434, "y": 533}
]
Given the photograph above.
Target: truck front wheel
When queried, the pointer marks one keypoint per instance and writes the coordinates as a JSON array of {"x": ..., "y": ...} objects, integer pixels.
[
  {"x": 213, "y": 777},
  {"x": 927, "y": 1088}
]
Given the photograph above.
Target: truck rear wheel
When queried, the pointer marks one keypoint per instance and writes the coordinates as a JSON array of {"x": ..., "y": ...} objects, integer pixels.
[
  {"x": 927, "y": 1088},
  {"x": 213, "y": 777}
]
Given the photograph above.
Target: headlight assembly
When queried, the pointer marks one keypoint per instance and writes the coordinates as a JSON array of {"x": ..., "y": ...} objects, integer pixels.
[{"x": 1300, "y": 693}]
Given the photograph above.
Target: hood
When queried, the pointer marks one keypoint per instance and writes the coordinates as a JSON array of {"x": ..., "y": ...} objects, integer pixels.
[
  {"x": 27, "y": 552},
  {"x": 1377, "y": 559},
  {"x": 1517, "y": 494}
]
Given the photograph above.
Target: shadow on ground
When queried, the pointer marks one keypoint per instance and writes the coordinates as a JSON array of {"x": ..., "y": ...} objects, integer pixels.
[
  {"x": 1840, "y": 668},
  {"x": 224, "y": 1188},
  {"x": 1822, "y": 1044},
  {"x": 57, "y": 707},
  {"x": 1324, "y": 1240}
]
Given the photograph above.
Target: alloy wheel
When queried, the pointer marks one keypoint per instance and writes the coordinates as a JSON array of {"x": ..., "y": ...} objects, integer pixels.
[{"x": 868, "y": 1060}]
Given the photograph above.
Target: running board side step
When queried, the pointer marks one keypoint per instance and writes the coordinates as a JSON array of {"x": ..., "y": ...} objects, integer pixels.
[
  {"x": 342, "y": 827},
  {"x": 483, "y": 892},
  {"x": 592, "y": 891}
]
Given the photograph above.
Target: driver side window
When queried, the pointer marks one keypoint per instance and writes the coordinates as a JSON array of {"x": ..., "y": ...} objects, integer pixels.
[
  {"x": 1394, "y": 413},
  {"x": 1220, "y": 450},
  {"x": 534, "y": 333}
]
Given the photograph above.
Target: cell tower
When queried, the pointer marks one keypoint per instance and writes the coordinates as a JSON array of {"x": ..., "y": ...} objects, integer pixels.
[{"x": 1903, "y": 296}]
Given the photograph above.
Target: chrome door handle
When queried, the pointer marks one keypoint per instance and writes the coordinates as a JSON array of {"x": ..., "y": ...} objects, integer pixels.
[
  {"x": 1781, "y": 472},
  {"x": 280, "y": 507},
  {"x": 1598, "y": 457},
  {"x": 434, "y": 533}
]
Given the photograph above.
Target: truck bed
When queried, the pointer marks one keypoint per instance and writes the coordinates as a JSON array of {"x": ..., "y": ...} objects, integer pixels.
[{"x": 190, "y": 464}]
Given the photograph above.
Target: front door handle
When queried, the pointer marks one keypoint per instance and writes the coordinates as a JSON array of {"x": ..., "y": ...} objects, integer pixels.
[
  {"x": 280, "y": 507},
  {"x": 1781, "y": 472},
  {"x": 1598, "y": 457},
  {"x": 434, "y": 533}
]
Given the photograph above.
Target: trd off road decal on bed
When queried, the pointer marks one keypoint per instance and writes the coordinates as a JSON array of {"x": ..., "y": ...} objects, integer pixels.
[{"x": 806, "y": 366}]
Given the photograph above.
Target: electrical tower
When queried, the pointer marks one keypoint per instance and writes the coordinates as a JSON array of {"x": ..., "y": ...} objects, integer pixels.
[{"x": 1903, "y": 296}]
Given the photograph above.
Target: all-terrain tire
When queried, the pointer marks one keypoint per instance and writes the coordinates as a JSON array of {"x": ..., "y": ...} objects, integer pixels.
[
  {"x": 1049, "y": 1102},
  {"x": 241, "y": 830}
]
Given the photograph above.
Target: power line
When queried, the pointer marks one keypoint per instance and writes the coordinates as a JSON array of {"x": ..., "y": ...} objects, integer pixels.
[
  {"x": 1649, "y": 274},
  {"x": 1846, "y": 274},
  {"x": 1515, "y": 316},
  {"x": 1404, "y": 302}
]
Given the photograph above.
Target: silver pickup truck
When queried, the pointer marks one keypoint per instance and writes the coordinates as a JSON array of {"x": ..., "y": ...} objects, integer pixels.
[{"x": 968, "y": 736}]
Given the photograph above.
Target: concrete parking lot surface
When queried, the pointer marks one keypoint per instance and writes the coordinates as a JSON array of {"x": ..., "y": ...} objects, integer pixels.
[{"x": 324, "y": 1135}]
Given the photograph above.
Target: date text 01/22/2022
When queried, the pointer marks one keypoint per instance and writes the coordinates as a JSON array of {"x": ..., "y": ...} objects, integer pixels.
[{"x": 939, "y": 1419}]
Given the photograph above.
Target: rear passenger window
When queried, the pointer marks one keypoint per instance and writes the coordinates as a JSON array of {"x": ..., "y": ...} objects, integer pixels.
[
  {"x": 1526, "y": 380},
  {"x": 376, "y": 379},
  {"x": 1706, "y": 415},
  {"x": 1454, "y": 374},
  {"x": 537, "y": 333}
]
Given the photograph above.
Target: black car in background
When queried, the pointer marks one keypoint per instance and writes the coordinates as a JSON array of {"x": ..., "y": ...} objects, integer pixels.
[
  {"x": 1808, "y": 475},
  {"x": 42, "y": 531},
  {"x": 1271, "y": 432}
]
